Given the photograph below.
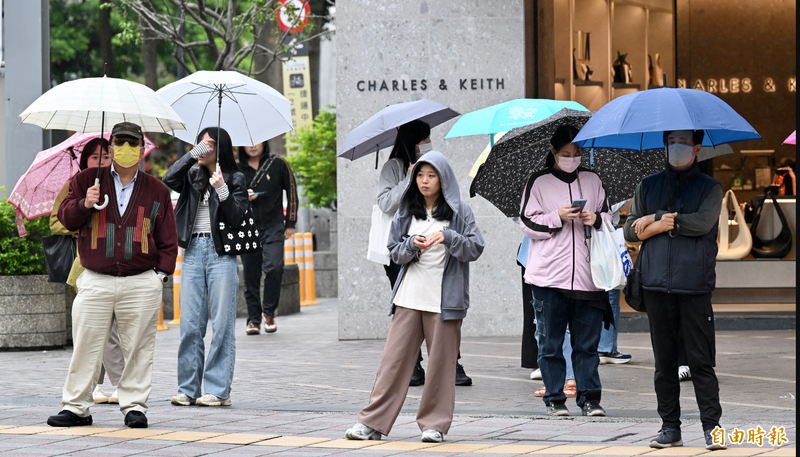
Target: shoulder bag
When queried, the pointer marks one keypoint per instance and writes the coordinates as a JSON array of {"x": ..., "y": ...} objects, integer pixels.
[
  {"x": 59, "y": 251},
  {"x": 777, "y": 247},
  {"x": 743, "y": 243},
  {"x": 243, "y": 239}
]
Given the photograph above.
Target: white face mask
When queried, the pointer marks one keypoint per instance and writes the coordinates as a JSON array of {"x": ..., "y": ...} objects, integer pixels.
[
  {"x": 568, "y": 164},
  {"x": 425, "y": 148},
  {"x": 680, "y": 155}
]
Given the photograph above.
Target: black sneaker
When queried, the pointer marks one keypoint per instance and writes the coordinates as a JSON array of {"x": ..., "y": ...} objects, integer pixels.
[
  {"x": 136, "y": 419},
  {"x": 667, "y": 437},
  {"x": 68, "y": 419},
  {"x": 418, "y": 378},
  {"x": 592, "y": 408},
  {"x": 461, "y": 377},
  {"x": 557, "y": 409},
  {"x": 710, "y": 444}
]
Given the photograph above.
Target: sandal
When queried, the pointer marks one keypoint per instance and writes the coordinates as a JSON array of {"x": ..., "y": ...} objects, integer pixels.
[
  {"x": 540, "y": 392},
  {"x": 571, "y": 388}
]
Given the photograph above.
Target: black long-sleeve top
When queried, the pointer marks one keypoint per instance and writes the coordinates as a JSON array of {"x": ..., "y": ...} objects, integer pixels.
[{"x": 268, "y": 207}]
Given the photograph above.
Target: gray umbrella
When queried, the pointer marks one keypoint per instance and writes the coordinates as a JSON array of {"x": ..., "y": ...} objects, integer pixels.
[{"x": 522, "y": 151}]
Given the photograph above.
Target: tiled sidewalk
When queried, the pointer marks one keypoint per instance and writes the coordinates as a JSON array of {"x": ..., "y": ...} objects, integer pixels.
[
  {"x": 203, "y": 431},
  {"x": 303, "y": 383}
]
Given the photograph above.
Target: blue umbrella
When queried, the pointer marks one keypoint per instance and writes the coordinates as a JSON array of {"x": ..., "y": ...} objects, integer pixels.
[
  {"x": 509, "y": 115},
  {"x": 637, "y": 121}
]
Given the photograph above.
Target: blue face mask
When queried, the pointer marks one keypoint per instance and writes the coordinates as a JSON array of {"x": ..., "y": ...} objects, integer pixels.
[{"x": 680, "y": 155}]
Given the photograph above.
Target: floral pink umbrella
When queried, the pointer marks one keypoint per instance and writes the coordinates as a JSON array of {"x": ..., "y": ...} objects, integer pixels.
[
  {"x": 36, "y": 191},
  {"x": 792, "y": 138}
]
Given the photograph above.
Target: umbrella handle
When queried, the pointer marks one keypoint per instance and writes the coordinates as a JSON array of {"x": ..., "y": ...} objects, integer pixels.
[{"x": 105, "y": 203}]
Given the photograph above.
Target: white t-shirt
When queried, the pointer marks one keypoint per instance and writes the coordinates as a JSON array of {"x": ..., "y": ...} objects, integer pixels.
[{"x": 421, "y": 287}]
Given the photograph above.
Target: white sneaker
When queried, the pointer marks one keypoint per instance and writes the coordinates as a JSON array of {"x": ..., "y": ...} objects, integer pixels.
[
  {"x": 114, "y": 398},
  {"x": 212, "y": 400},
  {"x": 536, "y": 374},
  {"x": 182, "y": 400},
  {"x": 684, "y": 374},
  {"x": 99, "y": 396},
  {"x": 362, "y": 432},
  {"x": 432, "y": 436}
]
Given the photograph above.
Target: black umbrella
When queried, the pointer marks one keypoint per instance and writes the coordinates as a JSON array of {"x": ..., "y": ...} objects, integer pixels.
[{"x": 522, "y": 151}]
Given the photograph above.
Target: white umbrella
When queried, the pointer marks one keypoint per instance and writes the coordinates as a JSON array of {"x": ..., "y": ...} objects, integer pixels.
[
  {"x": 89, "y": 104},
  {"x": 380, "y": 131},
  {"x": 249, "y": 110}
]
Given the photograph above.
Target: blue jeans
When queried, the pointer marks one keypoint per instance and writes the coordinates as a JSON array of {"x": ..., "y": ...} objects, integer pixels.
[
  {"x": 207, "y": 279},
  {"x": 608, "y": 338},
  {"x": 554, "y": 313},
  {"x": 566, "y": 349}
]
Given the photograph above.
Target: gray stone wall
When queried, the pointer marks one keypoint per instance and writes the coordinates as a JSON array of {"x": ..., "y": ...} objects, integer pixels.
[
  {"x": 32, "y": 313},
  {"x": 448, "y": 43}
]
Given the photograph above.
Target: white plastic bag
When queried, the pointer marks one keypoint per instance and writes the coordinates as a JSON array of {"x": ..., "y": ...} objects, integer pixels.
[
  {"x": 610, "y": 259},
  {"x": 379, "y": 236}
]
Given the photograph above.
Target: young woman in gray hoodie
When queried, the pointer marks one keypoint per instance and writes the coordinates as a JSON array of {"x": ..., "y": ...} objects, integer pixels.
[{"x": 433, "y": 238}]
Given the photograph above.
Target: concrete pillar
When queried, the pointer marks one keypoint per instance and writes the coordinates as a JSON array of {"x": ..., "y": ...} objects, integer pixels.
[{"x": 27, "y": 76}]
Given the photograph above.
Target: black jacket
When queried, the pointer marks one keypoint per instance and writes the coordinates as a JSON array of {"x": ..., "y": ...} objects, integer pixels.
[
  {"x": 685, "y": 263},
  {"x": 188, "y": 180},
  {"x": 268, "y": 207}
]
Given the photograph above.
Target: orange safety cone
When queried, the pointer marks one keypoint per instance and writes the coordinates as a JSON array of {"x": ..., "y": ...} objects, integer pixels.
[
  {"x": 161, "y": 325},
  {"x": 176, "y": 289},
  {"x": 311, "y": 290},
  {"x": 299, "y": 259}
]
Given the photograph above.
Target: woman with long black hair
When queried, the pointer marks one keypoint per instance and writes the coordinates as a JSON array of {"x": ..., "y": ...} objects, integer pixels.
[
  {"x": 433, "y": 238},
  {"x": 212, "y": 193}
]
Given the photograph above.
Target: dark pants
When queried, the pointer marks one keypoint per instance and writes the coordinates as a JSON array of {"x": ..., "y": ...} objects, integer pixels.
[
  {"x": 690, "y": 316},
  {"x": 554, "y": 312},
  {"x": 270, "y": 262},
  {"x": 530, "y": 350}
]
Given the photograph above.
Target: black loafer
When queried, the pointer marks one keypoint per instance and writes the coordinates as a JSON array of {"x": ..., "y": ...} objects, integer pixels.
[
  {"x": 68, "y": 419},
  {"x": 136, "y": 419}
]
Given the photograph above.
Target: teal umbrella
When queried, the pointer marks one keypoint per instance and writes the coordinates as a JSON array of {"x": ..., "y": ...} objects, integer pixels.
[{"x": 506, "y": 116}]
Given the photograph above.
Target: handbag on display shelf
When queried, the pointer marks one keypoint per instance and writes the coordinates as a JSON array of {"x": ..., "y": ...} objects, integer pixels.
[
  {"x": 777, "y": 247},
  {"x": 743, "y": 243},
  {"x": 581, "y": 64},
  {"x": 656, "y": 79},
  {"x": 622, "y": 69}
]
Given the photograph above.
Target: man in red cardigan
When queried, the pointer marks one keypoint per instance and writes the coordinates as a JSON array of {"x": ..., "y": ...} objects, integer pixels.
[{"x": 128, "y": 248}]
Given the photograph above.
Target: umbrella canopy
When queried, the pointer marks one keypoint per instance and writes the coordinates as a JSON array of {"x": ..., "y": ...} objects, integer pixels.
[
  {"x": 522, "y": 151},
  {"x": 637, "y": 121},
  {"x": 509, "y": 115},
  {"x": 35, "y": 192},
  {"x": 484, "y": 155},
  {"x": 792, "y": 138},
  {"x": 96, "y": 104},
  {"x": 380, "y": 130},
  {"x": 249, "y": 110}
]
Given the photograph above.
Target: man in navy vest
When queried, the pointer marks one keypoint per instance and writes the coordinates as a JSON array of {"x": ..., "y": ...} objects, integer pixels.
[{"x": 676, "y": 215}]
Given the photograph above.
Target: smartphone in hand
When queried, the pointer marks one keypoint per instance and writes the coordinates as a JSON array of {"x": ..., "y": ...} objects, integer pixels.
[{"x": 579, "y": 204}]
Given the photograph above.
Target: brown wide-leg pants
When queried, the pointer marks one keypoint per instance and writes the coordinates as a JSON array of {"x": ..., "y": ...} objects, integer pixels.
[{"x": 406, "y": 332}]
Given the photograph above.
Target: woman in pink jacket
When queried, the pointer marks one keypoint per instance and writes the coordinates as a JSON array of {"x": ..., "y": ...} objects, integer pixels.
[{"x": 559, "y": 270}]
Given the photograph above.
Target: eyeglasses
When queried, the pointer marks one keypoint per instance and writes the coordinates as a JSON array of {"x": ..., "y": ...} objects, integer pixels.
[{"x": 121, "y": 140}]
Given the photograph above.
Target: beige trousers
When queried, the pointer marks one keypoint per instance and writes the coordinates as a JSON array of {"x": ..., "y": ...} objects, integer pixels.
[
  {"x": 134, "y": 301},
  {"x": 113, "y": 360},
  {"x": 406, "y": 332}
]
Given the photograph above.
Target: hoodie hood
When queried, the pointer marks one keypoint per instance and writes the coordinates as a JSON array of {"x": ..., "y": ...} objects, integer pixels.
[{"x": 447, "y": 179}]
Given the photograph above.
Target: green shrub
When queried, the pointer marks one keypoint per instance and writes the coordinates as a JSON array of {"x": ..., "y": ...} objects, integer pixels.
[
  {"x": 21, "y": 256},
  {"x": 314, "y": 162}
]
